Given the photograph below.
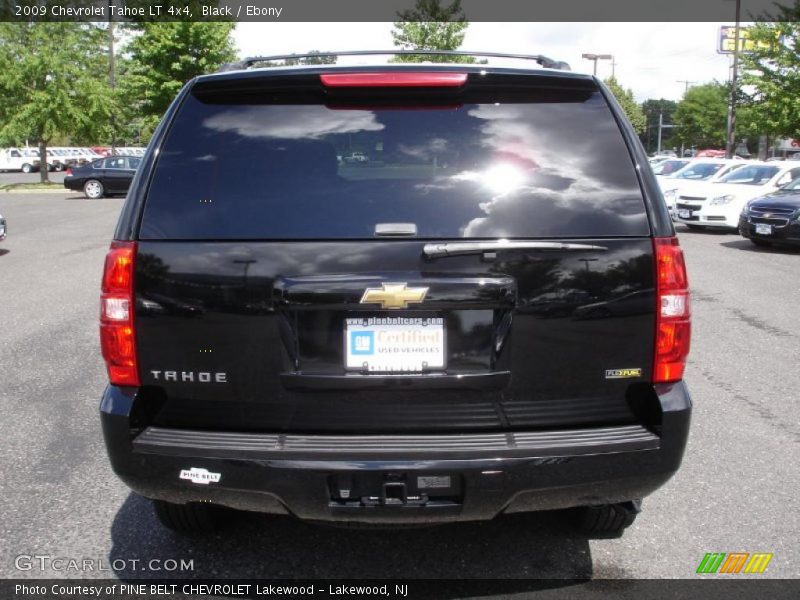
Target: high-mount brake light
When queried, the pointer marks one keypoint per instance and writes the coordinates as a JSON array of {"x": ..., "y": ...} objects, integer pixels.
[
  {"x": 394, "y": 79},
  {"x": 117, "y": 331},
  {"x": 673, "y": 314}
]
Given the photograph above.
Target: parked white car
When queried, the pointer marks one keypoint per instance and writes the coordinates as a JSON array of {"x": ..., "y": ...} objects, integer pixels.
[
  {"x": 129, "y": 151},
  {"x": 76, "y": 157},
  {"x": 87, "y": 155},
  {"x": 19, "y": 159},
  {"x": 685, "y": 180},
  {"x": 670, "y": 166},
  {"x": 720, "y": 203}
]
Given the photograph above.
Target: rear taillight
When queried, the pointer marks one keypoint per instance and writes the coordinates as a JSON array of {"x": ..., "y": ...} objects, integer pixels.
[
  {"x": 673, "y": 315},
  {"x": 117, "y": 333},
  {"x": 393, "y": 79}
]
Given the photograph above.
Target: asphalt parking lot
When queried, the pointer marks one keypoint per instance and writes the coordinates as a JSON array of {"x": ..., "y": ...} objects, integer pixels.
[
  {"x": 16, "y": 177},
  {"x": 737, "y": 489}
]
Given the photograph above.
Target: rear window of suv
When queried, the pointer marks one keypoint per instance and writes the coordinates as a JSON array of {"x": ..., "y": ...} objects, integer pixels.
[{"x": 243, "y": 167}]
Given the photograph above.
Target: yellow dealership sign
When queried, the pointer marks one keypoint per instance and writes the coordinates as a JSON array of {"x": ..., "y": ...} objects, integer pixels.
[{"x": 727, "y": 37}]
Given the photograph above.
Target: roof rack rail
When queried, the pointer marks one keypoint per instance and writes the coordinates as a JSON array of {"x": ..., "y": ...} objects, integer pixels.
[{"x": 247, "y": 63}]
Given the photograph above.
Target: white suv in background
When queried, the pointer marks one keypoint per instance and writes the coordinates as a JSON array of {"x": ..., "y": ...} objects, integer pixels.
[
  {"x": 720, "y": 203},
  {"x": 684, "y": 181},
  {"x": 19, "y": 159}
]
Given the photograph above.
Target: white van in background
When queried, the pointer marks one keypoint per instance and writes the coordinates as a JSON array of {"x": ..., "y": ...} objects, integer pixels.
[
  {"x": 19, "y": 159},
  {"x": 76, "y": 157}
]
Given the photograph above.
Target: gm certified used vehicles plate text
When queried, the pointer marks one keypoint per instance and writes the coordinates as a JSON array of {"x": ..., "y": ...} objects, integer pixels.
[{"x": 369, "y": 341}]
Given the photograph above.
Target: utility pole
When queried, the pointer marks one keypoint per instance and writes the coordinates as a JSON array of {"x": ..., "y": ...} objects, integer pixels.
[
  {"x": 112, "y": 83},
  {"x": 613, "y": 67},
  {"x": 661, "y": 127},
  {"x": 594, "y": 58},
  {"x": 730, "y": 148},
  {"x": 686, "y": 84}
]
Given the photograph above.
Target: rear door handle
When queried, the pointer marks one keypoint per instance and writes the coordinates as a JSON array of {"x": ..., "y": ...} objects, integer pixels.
[{"x": 461, "y": 248}]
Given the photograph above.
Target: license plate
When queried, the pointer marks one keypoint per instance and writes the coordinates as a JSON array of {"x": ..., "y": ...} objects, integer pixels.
[
  {"x": 394, "y": 344},
  {"x": 685, "y": 214},
  {"x": 763, "y": 229}
]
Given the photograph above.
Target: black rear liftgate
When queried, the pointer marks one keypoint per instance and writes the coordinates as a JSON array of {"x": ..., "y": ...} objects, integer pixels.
[
  {"x": 302, "y": 248},
  {"x": 517, "y": 357}
]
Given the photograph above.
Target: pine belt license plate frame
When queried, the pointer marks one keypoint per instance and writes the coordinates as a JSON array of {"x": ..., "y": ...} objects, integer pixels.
[{"x": 375, "y": 323}]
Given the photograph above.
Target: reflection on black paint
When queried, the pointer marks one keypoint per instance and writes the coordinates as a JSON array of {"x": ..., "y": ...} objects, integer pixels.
[
  {"x": 534, "y": 329},
  {"x": 244, "y": 171}
]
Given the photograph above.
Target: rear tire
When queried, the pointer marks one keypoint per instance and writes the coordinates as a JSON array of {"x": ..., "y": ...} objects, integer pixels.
[
  {"x": 194, "y": 517},
  {"x": 93, "y": 189},
  {"x": 609, "y": 520}
]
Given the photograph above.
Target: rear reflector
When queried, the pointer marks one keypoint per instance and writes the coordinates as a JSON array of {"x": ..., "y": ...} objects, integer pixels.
[
  {"x": 673, "y": 314},
  {"x": 393, "y": 79},
  {"x": 117, "y": 332}
]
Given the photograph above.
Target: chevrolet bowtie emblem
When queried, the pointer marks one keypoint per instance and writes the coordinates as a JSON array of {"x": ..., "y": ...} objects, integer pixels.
[{"x": 393, "y": 295}]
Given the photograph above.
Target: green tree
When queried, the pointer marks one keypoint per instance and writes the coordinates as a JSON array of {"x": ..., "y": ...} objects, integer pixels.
[
  {"x": 53, "y": 83},
  {"x": 771, "y": 75},
  {"x": 431, "y": 26},
  {"x": 652, "y": 109},
  {"x": 315, "y": 58},
  {"x": 165, "y": 55},
  {"x": 626, "y": 100},
  {"x": 702, "y": 116}
]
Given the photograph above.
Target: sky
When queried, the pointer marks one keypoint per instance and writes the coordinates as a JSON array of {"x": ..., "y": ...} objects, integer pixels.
[{"x": 651, "y": 58}]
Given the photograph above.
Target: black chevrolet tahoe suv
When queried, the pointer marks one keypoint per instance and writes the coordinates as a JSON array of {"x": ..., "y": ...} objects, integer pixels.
[{"x": 488, "y": 314}]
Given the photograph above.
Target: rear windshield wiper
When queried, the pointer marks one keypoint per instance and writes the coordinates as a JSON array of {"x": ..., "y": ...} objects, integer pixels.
[{"x": 461, "y": 248}]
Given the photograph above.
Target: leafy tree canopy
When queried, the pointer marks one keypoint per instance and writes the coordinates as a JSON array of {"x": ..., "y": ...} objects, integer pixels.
[
  {"x": 431, "y": 26},
  {"x": 652, "y": 108},
  {"x": 702, "y": 116},
  {"x": 626, "y": 100},
  {"x": 52, "y": 82},
  {"x": 771, "y": 75},
  {"x": 165, "y": 55},
  {"x": 316, "y": 58}
]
